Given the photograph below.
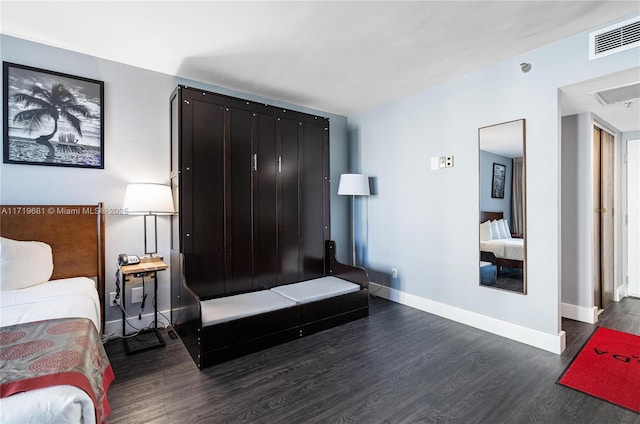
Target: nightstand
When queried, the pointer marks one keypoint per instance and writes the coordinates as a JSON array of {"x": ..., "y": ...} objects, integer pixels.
[{"x": 141, "y": 274}]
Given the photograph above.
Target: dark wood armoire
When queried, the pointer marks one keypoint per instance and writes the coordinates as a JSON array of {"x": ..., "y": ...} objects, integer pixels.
[{"x": 251, "y": 184}]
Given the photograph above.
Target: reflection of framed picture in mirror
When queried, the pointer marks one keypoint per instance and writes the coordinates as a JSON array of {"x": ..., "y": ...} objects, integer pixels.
[{"x": 497, "y": 183}]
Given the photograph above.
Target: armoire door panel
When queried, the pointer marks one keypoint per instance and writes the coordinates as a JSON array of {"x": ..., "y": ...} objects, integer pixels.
[
  {"x": 239, "y": 201},
  {"x": 252, "y": 190},
  {"x": 206, "y": 257},
  {"x": 265, "y": 207},
  {"x": 288, "y": 205},
  {"x": 312, "y": 199},
  {"x": 175, "y": 168},
  {"x": 176, "y": 288}
]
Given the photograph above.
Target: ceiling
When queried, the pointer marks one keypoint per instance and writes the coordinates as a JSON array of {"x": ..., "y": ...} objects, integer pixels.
[
  {"x": 623, "y": 116},
  {"x": 339, "y": 57}
]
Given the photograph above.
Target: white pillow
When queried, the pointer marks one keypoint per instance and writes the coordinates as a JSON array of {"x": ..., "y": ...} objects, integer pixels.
[
  {"x": 507, "y": 230},
  {"x": 24, "y": 263},
  {"x": 504, "y": 234},
  {"x": 485, "y": 231},
  {"x": 495, "y": 230}
]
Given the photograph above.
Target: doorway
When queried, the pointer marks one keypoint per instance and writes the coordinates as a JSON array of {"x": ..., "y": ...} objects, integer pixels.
[
  {"x": 603, "y": 185},
  {"x": 633, "y": 217}
]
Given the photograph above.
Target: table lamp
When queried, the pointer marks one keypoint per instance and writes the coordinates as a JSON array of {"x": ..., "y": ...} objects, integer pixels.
[{"x": 149, "y": 200}]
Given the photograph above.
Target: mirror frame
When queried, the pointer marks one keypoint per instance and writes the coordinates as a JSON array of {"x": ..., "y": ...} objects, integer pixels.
[{"x": 524, "y": 203}]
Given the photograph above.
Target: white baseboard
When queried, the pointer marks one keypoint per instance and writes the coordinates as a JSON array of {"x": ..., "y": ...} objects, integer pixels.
[
  {"x": 620, "y": 292},
  {"x": 580, "y": 313},
  {"x": 549, "y": 342},
  {"x": 115, "y": 326}
]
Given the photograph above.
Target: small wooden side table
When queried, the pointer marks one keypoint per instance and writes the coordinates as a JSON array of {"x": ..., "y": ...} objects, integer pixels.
[{"x": 140, "y": 274}]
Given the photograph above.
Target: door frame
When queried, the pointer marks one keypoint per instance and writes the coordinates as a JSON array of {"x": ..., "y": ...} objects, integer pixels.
[
  {"x": 619, "y": 188},
  {"x": 626, "y": 288}
]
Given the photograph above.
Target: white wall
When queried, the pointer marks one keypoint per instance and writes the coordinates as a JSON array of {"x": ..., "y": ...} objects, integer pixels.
[
  {"x": 578, "y": 278},
  {"x": 576, "y": 224},
  {"x": 425, "y": 223},
  {"x": 576, "y": 141},
  {"x": 136, "y": 150},
  {"x": 631, "y": 195}
]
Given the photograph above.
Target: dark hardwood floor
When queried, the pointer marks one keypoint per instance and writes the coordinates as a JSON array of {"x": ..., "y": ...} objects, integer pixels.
[{"x": 400, "y": 365}]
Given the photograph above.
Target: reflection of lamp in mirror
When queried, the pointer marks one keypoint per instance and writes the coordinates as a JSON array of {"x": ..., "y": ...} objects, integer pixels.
[
  {"x": 353, "y": 185},
  {"x": 149, "y": 200}
]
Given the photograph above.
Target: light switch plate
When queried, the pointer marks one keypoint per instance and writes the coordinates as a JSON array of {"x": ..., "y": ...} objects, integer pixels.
[{"x": 449, "y": 161}]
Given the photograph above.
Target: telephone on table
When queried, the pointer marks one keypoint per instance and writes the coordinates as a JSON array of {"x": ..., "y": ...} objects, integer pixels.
[{"x": 124, "y": 259}]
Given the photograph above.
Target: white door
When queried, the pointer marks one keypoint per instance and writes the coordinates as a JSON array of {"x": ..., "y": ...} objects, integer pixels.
[{"x": 633, "y": 226}]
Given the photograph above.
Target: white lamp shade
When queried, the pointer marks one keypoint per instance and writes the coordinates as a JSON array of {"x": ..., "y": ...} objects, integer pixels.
[
  {"x": 354, "y": 185},
  {"x": 148, "y": 199}
]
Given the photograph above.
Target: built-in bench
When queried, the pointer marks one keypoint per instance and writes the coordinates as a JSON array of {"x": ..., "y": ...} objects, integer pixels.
[
  {"x": 226, "y": 327},
  {"x": 223, "y": 309}
]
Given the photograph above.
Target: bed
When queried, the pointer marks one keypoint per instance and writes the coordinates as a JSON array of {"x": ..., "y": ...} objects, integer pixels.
[
  {"x": 65, "y": 311},
  {"x": 501, "y": 250}
]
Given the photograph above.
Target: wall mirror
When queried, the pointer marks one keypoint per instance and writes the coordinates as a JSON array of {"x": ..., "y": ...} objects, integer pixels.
[{"x": 502, "y": 206}]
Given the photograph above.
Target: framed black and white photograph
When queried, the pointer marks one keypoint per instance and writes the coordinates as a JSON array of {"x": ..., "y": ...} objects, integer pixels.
[
  {"x": 497, "y": 183},
  {"x": 51, "y": 118}
]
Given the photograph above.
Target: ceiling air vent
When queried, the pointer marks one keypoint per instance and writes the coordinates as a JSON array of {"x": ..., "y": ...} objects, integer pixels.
[
  {"x": 613, "y": 39},
  {"x": 623, "y": 94}
]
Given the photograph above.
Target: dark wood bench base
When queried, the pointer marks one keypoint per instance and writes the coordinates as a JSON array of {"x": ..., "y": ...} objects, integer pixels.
[{"x": 226, "y": 340}]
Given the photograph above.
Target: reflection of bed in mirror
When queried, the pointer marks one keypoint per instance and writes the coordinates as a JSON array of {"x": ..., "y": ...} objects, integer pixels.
[
  {"x": 502, "y": 252},
  {"x": 502, "y": 241}
]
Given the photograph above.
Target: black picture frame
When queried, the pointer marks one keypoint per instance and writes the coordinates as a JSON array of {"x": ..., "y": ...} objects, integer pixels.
[
  {"x": 51, "y": 118},
  {"x": 497, "y": 182}
]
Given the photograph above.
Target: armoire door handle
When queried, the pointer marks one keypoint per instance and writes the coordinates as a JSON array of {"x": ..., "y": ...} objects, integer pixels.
[{"x": 255, "y": 161}]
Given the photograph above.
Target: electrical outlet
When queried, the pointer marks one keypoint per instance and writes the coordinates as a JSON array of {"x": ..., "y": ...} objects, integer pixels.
[
  {"x": 394, "y": 273},
  {"x": 112, "y": 299},
  {"x": 449, "y": 161},
  {"x": 136, "y": 294}
]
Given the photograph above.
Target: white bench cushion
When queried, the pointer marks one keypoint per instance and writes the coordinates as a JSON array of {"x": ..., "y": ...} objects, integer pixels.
[
  {"x": 316, "y": 289},
  {"x": 228, "y": 308}
]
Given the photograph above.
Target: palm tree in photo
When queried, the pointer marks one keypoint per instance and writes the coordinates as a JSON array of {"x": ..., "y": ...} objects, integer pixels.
[{"x": 55, "y": 104}]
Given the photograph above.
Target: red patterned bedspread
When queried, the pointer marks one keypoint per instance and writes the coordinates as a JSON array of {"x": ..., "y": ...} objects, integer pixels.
[{"x": 61, "y": 351}]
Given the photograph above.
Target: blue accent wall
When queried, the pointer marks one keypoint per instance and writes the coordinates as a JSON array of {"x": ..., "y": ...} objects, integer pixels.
[{"x": 488, "y": 203}]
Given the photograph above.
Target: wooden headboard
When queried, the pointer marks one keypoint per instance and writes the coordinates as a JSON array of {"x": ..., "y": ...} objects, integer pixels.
[
  {"x": 490, "y": 216},
  {"x": 74, "y": 232}
]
